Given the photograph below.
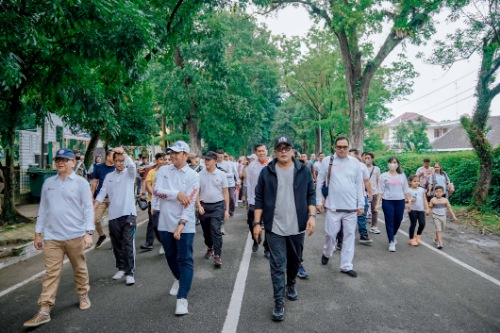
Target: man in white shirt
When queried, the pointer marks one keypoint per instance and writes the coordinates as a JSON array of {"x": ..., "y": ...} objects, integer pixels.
[
  {"x": 317, "y": 164},
  {"x": 119, "y": 187},
  {"x": 345, "y": 201},
  {"x": 213, "y": 206},
  {"x": 232, "y": 177},
  {"x": 66, "y": 220},
  {"x": 175, "y": 191},
  {"x": 253, "y": 171}
]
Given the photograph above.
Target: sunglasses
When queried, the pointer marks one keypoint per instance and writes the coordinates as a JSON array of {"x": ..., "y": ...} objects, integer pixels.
[
  {"x": 61, "y": 159},
  {"x": 341, "y": 147},
  {"x": 282, "y": 149}
]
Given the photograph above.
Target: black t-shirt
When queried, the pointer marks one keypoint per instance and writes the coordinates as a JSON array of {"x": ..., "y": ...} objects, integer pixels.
[{"x": 100, "y": 172}]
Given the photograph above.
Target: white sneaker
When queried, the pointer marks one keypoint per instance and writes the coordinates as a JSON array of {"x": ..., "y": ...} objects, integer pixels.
[
  {"x": 175, "y": 288},
  {"x": 395, "y": 240},
  {"x": 181, "y": 307},
  {"x": 222, "y": 230},
  {"x": 374, "y": 230},
  {"x": 119, "y": 275},
  {"x": 162, "y": 251},
  {"x": 129, "y": 280},
  {"x": 392, "y": 247}
]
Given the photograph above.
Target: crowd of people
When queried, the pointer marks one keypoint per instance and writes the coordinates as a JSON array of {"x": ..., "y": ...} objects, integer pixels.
[{"x": 282, "y": 194}]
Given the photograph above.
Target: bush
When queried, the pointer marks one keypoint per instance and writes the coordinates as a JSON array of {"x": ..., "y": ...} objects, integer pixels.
[{"x": 462, "y": 168}]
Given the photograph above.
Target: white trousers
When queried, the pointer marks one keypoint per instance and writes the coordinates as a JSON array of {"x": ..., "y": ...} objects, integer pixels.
[{"x": 332, "y": 228}]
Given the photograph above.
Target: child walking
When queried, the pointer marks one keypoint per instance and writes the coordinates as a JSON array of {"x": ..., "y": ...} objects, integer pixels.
[
  {"x": 419, "y": 207},
  {"x": 439, "y": 205}
]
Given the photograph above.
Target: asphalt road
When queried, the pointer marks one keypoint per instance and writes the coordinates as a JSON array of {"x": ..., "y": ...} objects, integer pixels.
[{"x": 411, "y": 290}]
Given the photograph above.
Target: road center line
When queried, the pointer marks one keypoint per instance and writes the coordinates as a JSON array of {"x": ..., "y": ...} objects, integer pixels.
[
  {"x": 234, "y": 310},
  {"x": 37, "y": 275},
  {"x": 455, "y": 260}
]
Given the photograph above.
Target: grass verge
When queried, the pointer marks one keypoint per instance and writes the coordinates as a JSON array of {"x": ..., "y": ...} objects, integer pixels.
[{"x": 486, "y": 221}]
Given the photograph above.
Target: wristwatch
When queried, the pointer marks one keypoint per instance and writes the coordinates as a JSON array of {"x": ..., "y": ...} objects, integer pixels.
[
  {"x": 257, "y": 223},
  {"x": 90, "y": 232},
  {"x": 181, "y": 223}
]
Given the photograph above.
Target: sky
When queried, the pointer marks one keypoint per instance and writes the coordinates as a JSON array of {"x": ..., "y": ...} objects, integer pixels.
[{"x": 438, "y": 94}]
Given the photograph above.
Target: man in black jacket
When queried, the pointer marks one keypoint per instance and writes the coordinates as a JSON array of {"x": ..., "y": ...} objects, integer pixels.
[{"x": 285, "y": 206}]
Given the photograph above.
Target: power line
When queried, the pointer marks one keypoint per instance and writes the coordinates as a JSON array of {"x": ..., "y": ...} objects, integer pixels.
[
  {"x": 446, "y": 100},
  {"x": 447, "y": 106},
  {"x": 435, "y": 91}
]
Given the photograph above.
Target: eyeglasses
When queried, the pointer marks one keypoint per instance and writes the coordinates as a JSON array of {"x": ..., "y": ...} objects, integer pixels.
[
  {"x": 61, "y": 159},
  {"x": 342, "y": 147},
  {"x": 283, "y": 149},
  {"x": 119, "y": 161}
]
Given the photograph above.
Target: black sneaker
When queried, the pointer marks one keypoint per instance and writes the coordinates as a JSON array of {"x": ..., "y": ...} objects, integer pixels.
[
  {"x": 146, "y": 247},
  {"x": 324, "y": 260},
  {"x": 255, "y": 247},
  {"x": 279, "y": 311},
  {"x": 351, "y": 273},
  {"x": 365, "y": 240},
  {"x": 99, "y": 241},
  {"x": 291, "y": 293}
]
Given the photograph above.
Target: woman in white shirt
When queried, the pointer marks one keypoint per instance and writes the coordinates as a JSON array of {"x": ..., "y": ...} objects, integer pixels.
[{"x": 392, "y": 195}]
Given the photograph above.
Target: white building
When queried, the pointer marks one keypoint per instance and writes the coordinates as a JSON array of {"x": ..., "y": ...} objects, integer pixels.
[{"x": 435, "y": 129}]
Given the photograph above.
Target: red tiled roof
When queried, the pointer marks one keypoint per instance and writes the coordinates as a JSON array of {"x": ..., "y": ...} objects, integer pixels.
[{"x": 409, "y": 116}]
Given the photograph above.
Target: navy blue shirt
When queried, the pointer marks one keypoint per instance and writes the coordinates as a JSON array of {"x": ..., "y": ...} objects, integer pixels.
[{"x": 100, "y": 172}]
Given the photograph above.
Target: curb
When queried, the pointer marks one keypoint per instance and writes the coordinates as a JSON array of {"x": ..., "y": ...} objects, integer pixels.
[{"x": 27, "y": 251}]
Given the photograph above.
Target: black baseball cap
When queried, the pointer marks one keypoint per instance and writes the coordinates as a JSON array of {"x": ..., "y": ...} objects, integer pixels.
[
  {"x": 210, "y": 155},
  {"x": 283, "y": 140}
]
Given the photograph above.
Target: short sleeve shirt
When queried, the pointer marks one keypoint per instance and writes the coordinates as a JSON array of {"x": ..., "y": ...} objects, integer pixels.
[{"x": 101, "y": 170}]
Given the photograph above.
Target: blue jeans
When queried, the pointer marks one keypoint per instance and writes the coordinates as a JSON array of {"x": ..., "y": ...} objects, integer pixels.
[
  {"x": 393, "y": 215},
  {"x": 362, "y": 220},
  {"x": 286, "y": 252},
  {"x": 179, "y": 254}
]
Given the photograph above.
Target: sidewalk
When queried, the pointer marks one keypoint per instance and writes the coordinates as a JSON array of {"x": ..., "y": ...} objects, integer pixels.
[{"x": 16, "y": 240}]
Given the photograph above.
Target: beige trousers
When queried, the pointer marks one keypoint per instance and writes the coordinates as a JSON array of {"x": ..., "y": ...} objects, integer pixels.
[
  {"x": 53, "y": 253},
  {"x": 99, "y": 213}
]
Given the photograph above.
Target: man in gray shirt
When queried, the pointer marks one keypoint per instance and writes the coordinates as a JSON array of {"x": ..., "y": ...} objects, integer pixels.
[{"x": 285, "y": 206}]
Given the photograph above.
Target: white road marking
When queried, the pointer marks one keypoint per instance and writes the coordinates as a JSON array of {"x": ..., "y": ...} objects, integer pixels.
[
  {"x": 234, "y": 309},
  {"x": 455, "y": 260},
  {"x": 36, "y": 276}
]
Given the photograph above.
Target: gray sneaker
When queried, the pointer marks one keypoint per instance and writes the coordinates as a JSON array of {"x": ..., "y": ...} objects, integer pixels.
[
  {"x": 392, "y": 247},
  {"x": 365, "y": 240}
]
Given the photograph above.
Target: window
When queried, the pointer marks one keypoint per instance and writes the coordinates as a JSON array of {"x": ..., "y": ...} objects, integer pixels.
[{"x": 437, "y": 132}]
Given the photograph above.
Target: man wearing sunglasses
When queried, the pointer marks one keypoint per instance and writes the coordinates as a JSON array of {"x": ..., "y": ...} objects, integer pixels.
[
  {"x": 285, "y": 206},
  {"x": 66, "y": 220},
  {"x": 345, "y": 201}
]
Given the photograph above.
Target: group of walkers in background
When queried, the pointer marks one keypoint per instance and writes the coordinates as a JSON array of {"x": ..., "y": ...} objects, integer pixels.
[{"x": 282, "y": 194}]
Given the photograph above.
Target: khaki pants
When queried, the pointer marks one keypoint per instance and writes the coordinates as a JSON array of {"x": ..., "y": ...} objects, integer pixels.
[
  {"x": 53, "y": 253},
  {"x": 99, "y": 213}
]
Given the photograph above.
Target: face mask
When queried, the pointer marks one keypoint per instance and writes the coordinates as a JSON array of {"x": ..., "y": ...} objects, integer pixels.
[
  {"x": 392, "y": 166},
  {"x": 368, "y": 161},
  {"x": 77, "y": 158}
]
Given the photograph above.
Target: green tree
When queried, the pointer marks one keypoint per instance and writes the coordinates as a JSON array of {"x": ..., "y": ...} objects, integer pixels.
[
  {"x": 479, "y": 36},
  {"x": 317, "y": 81},
  {"x": 42, "y": 42},
  {"x": 223, "y": 83},
  {"x": 352, "y": 23},
  {"x": 412, "y": 135}
]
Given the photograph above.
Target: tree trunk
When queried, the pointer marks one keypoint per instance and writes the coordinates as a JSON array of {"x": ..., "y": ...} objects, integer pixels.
[
  {"x": 194, "y": 136},
  {"x": 89, "y": 155},
  {"x": 9, "y": 198},
  {"x": 357, "y": 117},
  {"x": 318, "y": 145}
]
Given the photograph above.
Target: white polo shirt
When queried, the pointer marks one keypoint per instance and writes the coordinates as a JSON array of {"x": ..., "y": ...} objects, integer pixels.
[
  {"x": 212, "y": 186},
  {"x": 169, "y": 182},
  {"x": 66, "y": 209},
  {"x": 119, "y": 187}
]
